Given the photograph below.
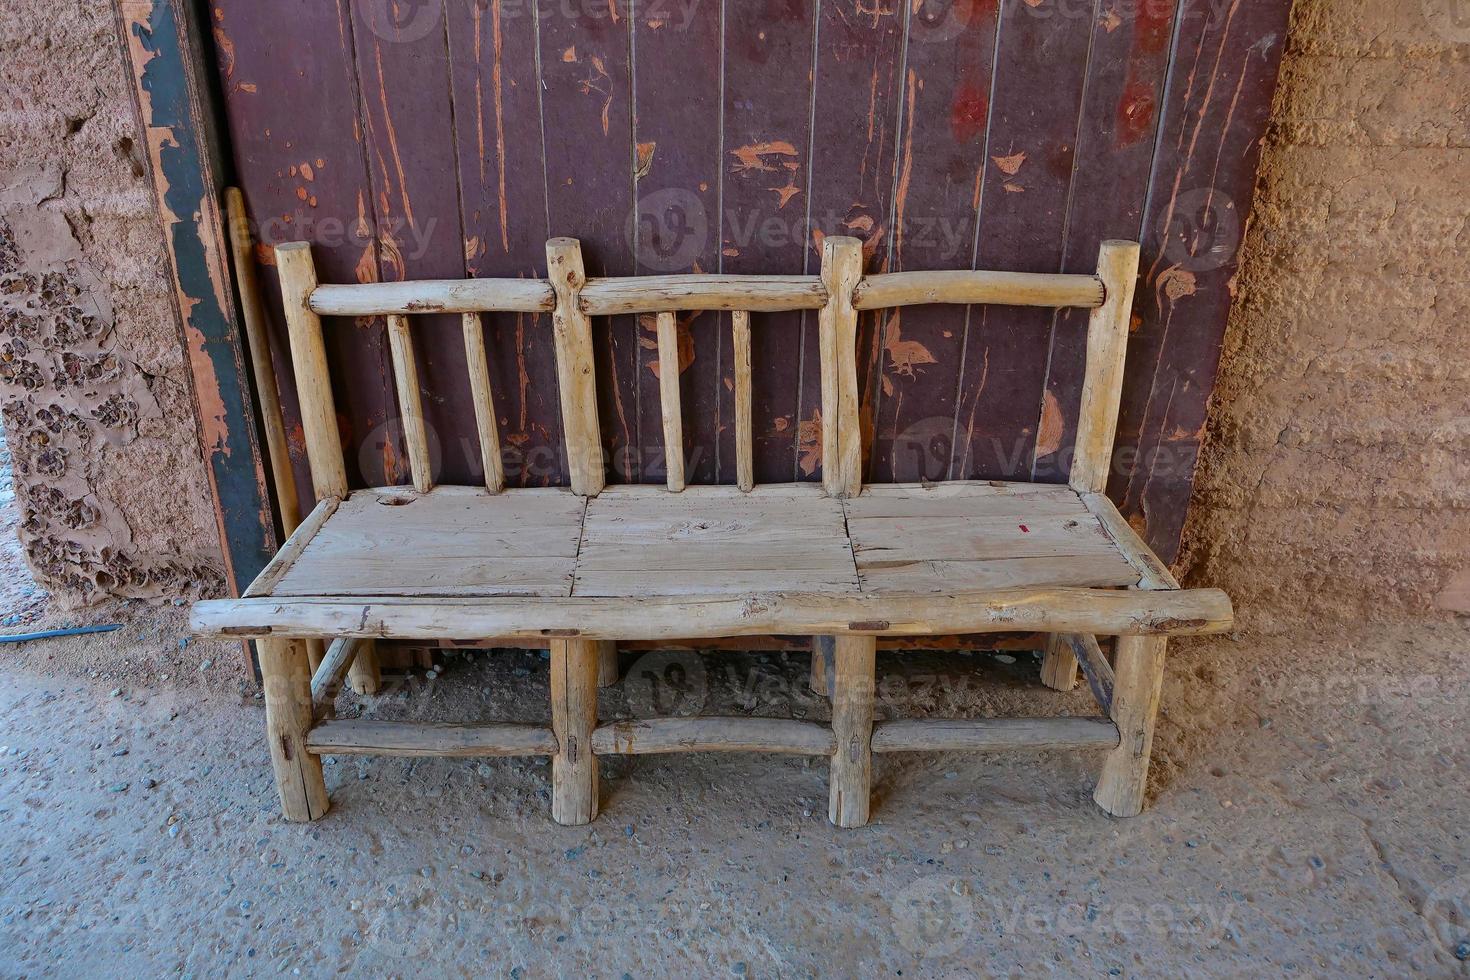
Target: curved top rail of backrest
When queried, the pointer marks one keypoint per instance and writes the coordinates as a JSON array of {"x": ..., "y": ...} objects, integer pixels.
[
  {"x": 838, "y": 293},
  {"x": 684, "y": 293}
]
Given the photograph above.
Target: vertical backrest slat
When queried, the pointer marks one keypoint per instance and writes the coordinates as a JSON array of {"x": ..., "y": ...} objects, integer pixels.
[
  {"x": 744, "y": 434},
  {"x": 309, "y": 362},
  {"x": 668, "y": 392},
  {"x": 485, "y": 424},
  {"x": 842, "y": 269},
  {"x": 410, "y": 403},
  {"x": 575, "y": 374},
  {"x": 1102, "y": 386}
]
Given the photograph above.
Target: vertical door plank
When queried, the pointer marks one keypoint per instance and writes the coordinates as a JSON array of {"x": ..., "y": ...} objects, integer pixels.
[
  {"x": 492, "y": 56},
  {"x": 1041, "y": 62},
  {"x": 408, "y": 124},
  {"x": 305, "y": 179},
  {"x": 1218, "y": 101},
  {"x": 855, "y": 123},
  {"x": 676, "y": 122},
  {"x": 1115, "y": 150},
  {"x": 586, "y": 116},
  {"x": 941, "y": 159},
  {"x": 766, "y": 184}
]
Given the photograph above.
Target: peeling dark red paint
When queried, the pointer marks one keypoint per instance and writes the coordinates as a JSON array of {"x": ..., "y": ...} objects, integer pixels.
[
  {"x": 1136, "y": 111},
  {"x": 898, "y": 124},
  {"x": 968, "y": 114}
]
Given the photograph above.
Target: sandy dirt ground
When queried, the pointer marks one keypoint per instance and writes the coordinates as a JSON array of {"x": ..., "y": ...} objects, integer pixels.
[{"x": 1308, "y": 819}]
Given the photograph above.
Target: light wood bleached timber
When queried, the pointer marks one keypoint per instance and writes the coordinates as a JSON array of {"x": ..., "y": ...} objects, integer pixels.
[{"x": 578, "y": 569}]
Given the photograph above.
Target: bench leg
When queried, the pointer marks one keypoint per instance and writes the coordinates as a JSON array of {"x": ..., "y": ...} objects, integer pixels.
[
  {"x": 607, "y": 663},
  {"x": 364, "y": 675},
  {"x": 820, "y": 680},
  {"x": 1058, "y": 666},
  {"x": 852, "y": 723},
  {"x": 315, "y": 651},
  {"x": 573, "y": 717},
  {"x": 284, "y": 673},
  {"x": 1138, "y": 679}
]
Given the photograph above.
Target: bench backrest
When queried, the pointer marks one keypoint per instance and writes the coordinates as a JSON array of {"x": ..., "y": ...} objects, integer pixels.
[{"x": 838, "y": 293}]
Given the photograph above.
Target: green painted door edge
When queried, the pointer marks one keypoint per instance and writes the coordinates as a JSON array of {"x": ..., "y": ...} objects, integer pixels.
[{"x": 171, "y": 93}]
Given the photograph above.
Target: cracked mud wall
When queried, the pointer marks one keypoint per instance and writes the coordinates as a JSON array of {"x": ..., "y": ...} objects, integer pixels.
[
  {"x": 1335, "y": 483},
  {"x": 93, "y": 386}
]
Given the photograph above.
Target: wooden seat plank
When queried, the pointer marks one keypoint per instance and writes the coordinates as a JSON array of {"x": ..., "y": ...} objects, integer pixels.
[
  {"x": 917, "y": 577},
  {"x": 443, "y": 543},
  {"x": 636, "y": 541},
  {"x": 629, "y": 555},
  {"x": 975, "y": 539},
  {"x": 711, "y": 582},
  {"x": 714, "y": 541},
  {"x": 430, "y": 576}
]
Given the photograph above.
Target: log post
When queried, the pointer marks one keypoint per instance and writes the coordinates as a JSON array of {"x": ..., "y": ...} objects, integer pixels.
[
  {"x": 607, "y": 663},
  {"x": 1102, "y": 384},
  {"x": 575, "y": 373},
  {"x": 853, "y": 686},
  {"x": 365, "y": 676},
  {"x": 842, "y": 268},
  {"x": 1138, "y": 681},
  {"x": 1058, "y": 665},
  {"x": 315, "y": 651},
  {"x": 297, "y": 272},
  {"x": 298, "y": 278},
  {"x": 573, "y": 720},
  {"x": 820, "y": 681},
  {"x": 288, "y": 718}
]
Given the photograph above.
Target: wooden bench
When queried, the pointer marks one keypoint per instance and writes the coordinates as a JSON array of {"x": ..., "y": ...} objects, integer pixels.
[{"x": 590, "y": 565}]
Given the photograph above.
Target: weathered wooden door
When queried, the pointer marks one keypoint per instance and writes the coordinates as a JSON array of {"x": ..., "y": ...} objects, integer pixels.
[{"x": 445, "y": 138}]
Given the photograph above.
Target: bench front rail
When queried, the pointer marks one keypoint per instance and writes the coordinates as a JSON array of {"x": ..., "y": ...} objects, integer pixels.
[{"x": 587, "y": 566}]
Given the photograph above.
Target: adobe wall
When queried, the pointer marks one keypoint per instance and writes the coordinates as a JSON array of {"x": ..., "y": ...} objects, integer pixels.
[
  {"x": 1336, "y": 477},
  {"x": 94, "y": 393}
]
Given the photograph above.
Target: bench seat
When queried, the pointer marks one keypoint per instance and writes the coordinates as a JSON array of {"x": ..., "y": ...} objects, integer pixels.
[{"x": 712, "y": 561}]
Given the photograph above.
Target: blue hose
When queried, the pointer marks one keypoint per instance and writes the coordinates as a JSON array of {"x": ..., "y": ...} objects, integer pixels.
[{"x": 48, "y": 634}]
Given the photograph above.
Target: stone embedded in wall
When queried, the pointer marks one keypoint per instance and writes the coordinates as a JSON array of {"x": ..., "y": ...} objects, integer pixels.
[{"x": 67, "y": 394}]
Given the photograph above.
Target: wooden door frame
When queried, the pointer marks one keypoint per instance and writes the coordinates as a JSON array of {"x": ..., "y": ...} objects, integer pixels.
[
  {"x": 179, "y": 111},
  {"x": 178, "y": 116}
]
